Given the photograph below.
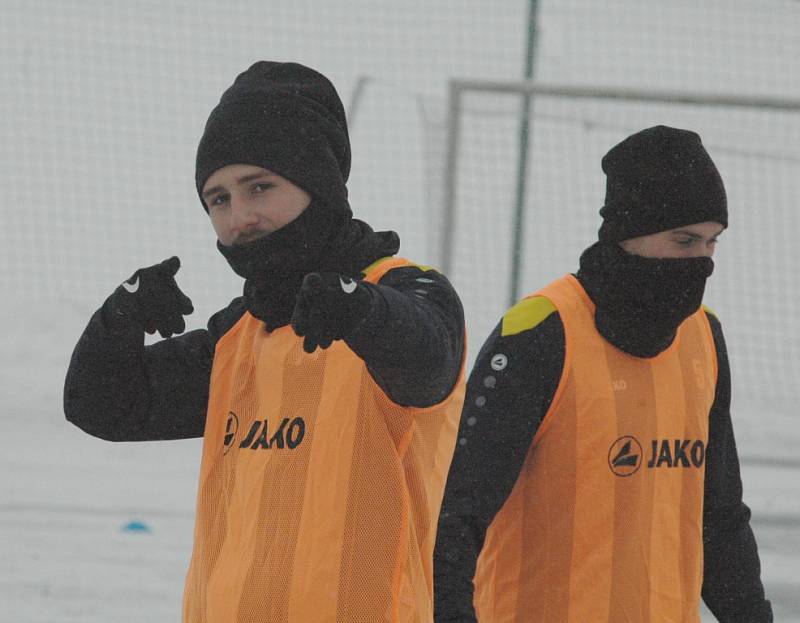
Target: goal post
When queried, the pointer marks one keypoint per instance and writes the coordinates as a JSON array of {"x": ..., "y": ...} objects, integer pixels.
[
  {"x": 754, "y": 139},
  {"x": 459, "y": 86}
]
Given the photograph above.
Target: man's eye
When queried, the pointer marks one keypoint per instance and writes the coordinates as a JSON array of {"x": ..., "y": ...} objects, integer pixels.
[
  {"x": 685, "y": 242},
  {"x": 219, "y": 200},
  {"x": 261, "y": 187}
]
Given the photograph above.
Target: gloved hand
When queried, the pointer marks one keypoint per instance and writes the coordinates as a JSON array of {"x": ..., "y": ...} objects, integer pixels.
[
  {"x": 329, "y": 307},
  {"x": 152, "y": 299}
]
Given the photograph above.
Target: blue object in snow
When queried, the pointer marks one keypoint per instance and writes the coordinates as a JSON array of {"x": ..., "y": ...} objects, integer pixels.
[{"x": 136, "y": 526}]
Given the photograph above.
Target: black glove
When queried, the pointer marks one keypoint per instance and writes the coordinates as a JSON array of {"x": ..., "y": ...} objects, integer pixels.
[
  {"x": 329, "y": 307},
  {"x": 153, "y": 300}
]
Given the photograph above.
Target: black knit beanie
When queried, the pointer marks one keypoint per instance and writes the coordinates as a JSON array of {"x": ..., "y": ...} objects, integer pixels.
[
  {"x": 659, "y": 179},
  {"x": 286, "y": 118}
]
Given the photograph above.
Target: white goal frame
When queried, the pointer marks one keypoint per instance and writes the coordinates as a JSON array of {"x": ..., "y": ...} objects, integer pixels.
[{"x": 530, "y": 89}]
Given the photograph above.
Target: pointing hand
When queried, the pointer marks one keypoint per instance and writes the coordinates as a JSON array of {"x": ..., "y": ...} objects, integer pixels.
[
  {"x": 329, "y": 307},
  {"x": 152, "y": 298}
]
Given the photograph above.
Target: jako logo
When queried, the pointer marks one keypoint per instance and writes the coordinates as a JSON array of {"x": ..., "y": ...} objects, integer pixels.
[
  {"x": 231, "y": 428},
  {"x": 677, "y": 453},
  {"x": 289, "y": 434},
  {"x": 625, "y": 456}
]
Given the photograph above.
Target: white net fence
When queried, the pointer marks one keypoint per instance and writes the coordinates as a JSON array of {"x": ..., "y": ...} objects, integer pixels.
[
  {"x": 755, "y": 288},
  {"x": 102, "y": 105}
]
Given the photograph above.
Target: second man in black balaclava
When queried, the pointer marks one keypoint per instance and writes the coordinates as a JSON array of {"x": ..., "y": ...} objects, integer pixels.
[{"x": 596, "y": 476}]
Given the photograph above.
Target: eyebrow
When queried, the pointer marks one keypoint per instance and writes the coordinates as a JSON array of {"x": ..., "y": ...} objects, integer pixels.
[
  {"x": 693, "y": 235},
  {"x": 241, "y": 180}
]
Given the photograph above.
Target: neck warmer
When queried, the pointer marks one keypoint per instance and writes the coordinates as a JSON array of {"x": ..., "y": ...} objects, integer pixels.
[
  {"x": 641, "y": 301},
  {"x": 318, "y": 240}
]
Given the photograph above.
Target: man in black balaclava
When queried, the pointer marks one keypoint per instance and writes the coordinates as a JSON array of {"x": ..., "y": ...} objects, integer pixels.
[
  {"x": 596, "y": 476},
  {"x": 328, "y": 395}
]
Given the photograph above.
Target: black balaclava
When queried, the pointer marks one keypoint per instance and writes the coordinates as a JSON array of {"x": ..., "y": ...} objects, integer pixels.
[
  {"x": 288, "y": 118},
  {"x": 658, "y": 179}
]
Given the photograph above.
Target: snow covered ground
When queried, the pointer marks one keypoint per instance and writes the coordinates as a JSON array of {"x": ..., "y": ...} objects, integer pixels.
[
  {"x": 66, "y": 499},
  {"x": 66, "y": 557}
]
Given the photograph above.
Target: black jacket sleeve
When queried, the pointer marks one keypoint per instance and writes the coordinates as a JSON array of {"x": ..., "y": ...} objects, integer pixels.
[
  {"x": 509, "y": 392},
  {"x": 118, "y": 389},
  {"x": 732, "y": 587},
  {"x": 412, "y": 339}
]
